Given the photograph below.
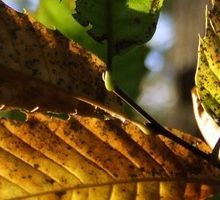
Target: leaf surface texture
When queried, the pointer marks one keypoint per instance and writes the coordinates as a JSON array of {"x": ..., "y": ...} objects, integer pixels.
[
  {"x": 132, "y": 22},
  {"x": 111, "y": 159},
  {"x": 208, "y": 70},
  {"x": 87, "y": 156},
  {"x": 38, "y": 64}
]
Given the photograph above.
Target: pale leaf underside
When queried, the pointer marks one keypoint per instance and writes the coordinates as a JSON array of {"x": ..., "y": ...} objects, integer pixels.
[{"x": 208, "y": 127}]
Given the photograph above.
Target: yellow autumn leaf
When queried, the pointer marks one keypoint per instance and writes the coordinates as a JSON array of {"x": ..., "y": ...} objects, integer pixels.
[
  {"x": 208, "y": 70},
  {"x": 87, "y": 156}
]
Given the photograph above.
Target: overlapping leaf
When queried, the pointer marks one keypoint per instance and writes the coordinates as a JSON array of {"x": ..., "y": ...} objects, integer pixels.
[
  {"x": 125, "y": 66},
  {"x": 85, "y": 157},
  {"x": 208, "y": 127},
  {"x": 65, "y": 23},
  {"x": 88, "y": 157},
  {"x": 208, "y": 71},
  {"x": 132, "y": 22},
  {"x": 41, "y": 68}
]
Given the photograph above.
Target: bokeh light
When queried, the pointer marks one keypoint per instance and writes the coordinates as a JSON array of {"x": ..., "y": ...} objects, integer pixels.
[{"x": 20, "y": 4}]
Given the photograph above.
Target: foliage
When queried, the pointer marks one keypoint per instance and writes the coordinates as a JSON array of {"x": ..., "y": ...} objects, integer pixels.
[
  {"x": 98, "y": 152},
  {"x": 13, "y": 115},
  {"x": 207, "y": 106},
  {"x": 129, "y": 70},
  {"x": 65, "y": 23},
  {"x": 47, "y": 154},
  {"x": 128, "y": 23},
  {"x": 208, "y": 127},
  {"x": 208, "y": 71},
  {"x": 40, "y": 62},
  {"x": 124, "y": 66}
]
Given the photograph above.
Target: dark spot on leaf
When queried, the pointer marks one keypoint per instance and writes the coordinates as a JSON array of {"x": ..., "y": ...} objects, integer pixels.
[
  {"x": 60, "y": 194},
  {"x": 75, "y": 125},
  {"x": 36, "y": 166},
  {"x": 51, "y": 181},
  {"x": 123, "y": 44}
]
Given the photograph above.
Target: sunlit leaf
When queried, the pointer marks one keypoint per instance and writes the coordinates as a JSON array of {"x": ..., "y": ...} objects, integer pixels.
[
  {"x": 41, "y": 68},
  {"x": 208, "y": 127},
  {"x": 128, "y": 69},
  {"x": 132, "y": 22},
  {"x": 208, "y": 70},
  {"x": 89, "y": 156},
  {"x": 47, "y": 13}
]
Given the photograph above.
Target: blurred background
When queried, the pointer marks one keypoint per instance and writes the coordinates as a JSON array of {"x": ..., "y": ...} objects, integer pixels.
[{"x": 160, "y": 75}]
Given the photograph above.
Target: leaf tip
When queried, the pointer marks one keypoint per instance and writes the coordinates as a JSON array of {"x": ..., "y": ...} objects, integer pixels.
[{"x": 109, "y": 83}]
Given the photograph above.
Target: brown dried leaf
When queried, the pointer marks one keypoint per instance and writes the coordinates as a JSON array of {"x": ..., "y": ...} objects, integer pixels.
[
  {"x": 85, "y": 157},
  {"x": 41, "y": 68}
]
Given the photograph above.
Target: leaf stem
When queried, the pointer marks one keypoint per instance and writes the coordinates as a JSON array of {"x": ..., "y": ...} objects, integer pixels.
[
  {"x": 156, "y": 127},
  {"x": 109, "y": 28}
]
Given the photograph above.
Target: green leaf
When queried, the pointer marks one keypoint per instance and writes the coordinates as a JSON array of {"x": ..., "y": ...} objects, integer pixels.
[
  {"x": 205, "y": 82},
  {"x": 128, "y": 70},
  {"x": 63, "y": 116},
  {"x": 208, "y": 70},
  {"x": 47, "y": 13},
  {"x": 13, "y": 115},
  {"x": 132, "y": 22}
]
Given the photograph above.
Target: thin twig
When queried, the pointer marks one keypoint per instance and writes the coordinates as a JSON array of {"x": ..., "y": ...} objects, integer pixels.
[{"x": 156, "y": 127}]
